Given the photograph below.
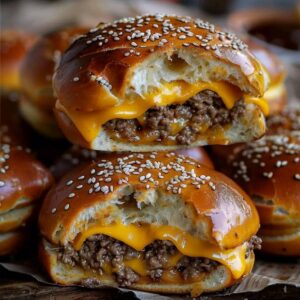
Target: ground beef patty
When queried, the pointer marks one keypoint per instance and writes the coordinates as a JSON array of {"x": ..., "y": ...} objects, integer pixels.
[
  {"x": 100, "y": 251},
  {"x": 204, "y": 110}
]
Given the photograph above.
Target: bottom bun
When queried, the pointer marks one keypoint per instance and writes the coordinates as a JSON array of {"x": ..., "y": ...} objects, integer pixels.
[
  {"x": 215, "y": 280},
  {"x": 11, "y": 241},
  {"x": 15, "y": 218},
  {"x": 40, "y": 119},
  {"x": 284, "y": 242}
]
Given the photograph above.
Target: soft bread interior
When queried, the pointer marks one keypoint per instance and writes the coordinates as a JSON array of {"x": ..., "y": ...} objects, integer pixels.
[
  {"x": 186, "y": 65},
  {"x": 150, "y": 206},
  {"x": 249, "y": 127},
  {"x": 219, "y": 278}
]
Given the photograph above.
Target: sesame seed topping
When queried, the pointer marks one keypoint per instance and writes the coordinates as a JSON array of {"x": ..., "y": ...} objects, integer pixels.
[
  {"x": 2, "y": 183},
  {"x": 69, "y": 182},
  {"x": 76, "y": 79},
  {"x": 297, "y": 176},
  {"x": 67, "y": 206},
  {"x": 53, "y": 211},
  {"x": 71, "y": 195}
]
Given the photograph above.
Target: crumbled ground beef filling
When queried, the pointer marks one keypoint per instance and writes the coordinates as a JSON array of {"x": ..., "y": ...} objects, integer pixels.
[
  {"x": 204, "y": 110},
  {"x": 100, "y": 250}
]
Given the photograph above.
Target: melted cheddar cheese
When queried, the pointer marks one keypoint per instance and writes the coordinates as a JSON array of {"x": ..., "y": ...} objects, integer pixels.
[
  {"x": 90, "y": 123},
  {"x": 139, "y": 236}
]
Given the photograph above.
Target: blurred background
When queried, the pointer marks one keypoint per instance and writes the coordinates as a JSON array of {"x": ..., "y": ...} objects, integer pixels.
[{"x": 273, "y": 23}]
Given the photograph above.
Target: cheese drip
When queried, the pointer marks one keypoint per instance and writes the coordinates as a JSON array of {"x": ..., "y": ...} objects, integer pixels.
[
  {"x": 139, "y": 236},
  {"x": 90, "y": 123}
]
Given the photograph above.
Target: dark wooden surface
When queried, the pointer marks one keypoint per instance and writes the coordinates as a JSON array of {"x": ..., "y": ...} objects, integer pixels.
[{"x": 16, "y": 286}]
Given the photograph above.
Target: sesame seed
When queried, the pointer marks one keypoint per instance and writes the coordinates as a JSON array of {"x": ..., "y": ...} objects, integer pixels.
[
  {"x": 297, "y": 176},
  {"x": 76, "y": 79},
  {"x": 67, "y": 206},
  {"x": 69, "y": 182},
  {"x": 71, "y": 195},
  {"x": 53, "y": 211},
  {"x": 2, "y": 183}
]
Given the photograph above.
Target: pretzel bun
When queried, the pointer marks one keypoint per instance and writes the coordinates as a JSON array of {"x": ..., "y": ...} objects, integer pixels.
[
  {"x": 11, "y": 241},
  {"x": 23, "y": 179},
  {"x": 276, "y": 95},
  {"x": 36, "y": 79},
  {"x": 269, "y": 171},
  {"x": 110, "y": 82},
  {"x": 13, "y": 47},
  {"x": 135, "y": 199}
]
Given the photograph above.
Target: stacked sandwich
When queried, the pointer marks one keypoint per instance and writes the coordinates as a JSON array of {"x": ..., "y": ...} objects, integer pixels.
[
  {"x": 142, "y": 217},
  {"x": 23, "y": 179}
]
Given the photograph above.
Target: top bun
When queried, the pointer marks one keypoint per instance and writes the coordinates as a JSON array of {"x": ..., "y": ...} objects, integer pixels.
[
  {"x": 112, "y": 59},
  {"x": 39, "y": 65},
  {"x": 122, "y": 69},
  {"x": 168, "y": 189}
]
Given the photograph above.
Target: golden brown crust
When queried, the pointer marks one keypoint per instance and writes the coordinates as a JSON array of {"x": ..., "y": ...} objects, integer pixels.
[
  {"x": 76, "y": 156},
  {"x": 11, "y": 241},
  {"x": 217, "y": 201},
  {"x": 199, "y": 154},
  {"x": 13, "y": 47},
  {"x": 280, "y": 240},
  {"x": 269, "y": 60},
  {"x": 38, "y": 67},
  {"x": 277, "y": 94},
  {"x": 268, "y": 170},
  {"x": 22, "y": 176},
  {"x": 110, "y": 52}
]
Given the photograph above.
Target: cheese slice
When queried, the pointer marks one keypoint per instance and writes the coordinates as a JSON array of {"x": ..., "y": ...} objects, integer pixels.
[
  {"x": 139, "y": 236},
  {"x": 90, "y": 123}
]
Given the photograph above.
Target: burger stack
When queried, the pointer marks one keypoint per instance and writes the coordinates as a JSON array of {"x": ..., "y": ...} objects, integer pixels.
[
  {"x": 23, "y": 179},
  {"x": 138, "y": 203},
  {"x": 138, "y": 215}
]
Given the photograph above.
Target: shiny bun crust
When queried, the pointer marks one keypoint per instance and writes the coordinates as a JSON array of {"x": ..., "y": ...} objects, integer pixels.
[
  {"x": 76, "y": 156},
  {"x": 269, "y": 171},
  {"x": 268, "y": 59},
  {"x": 93, "y": 192},
  {"x": 13, "y": 47},
  {"x": 276, "y": 95},
  {"x": 39, "y": 65},
  {"x": 110, "y": 59},
  {"x": 22, "y": 178},
  {"x": 280, "y": 240}
]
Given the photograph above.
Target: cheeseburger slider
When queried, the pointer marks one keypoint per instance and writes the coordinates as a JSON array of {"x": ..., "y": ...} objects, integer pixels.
[
  {"x": 36, "y": 79},
  {"x": 77, "y": 155},
  {"x": 13, "y": 47},
  {"x": 156, "y": 222},
  {"x": 269, "y": 171},
  {"x": 159, "y": 82},
  {"x": 23, "y": 180},
  {"x": 285, "y": 122},
  {"x": 276, "y": 95}
]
